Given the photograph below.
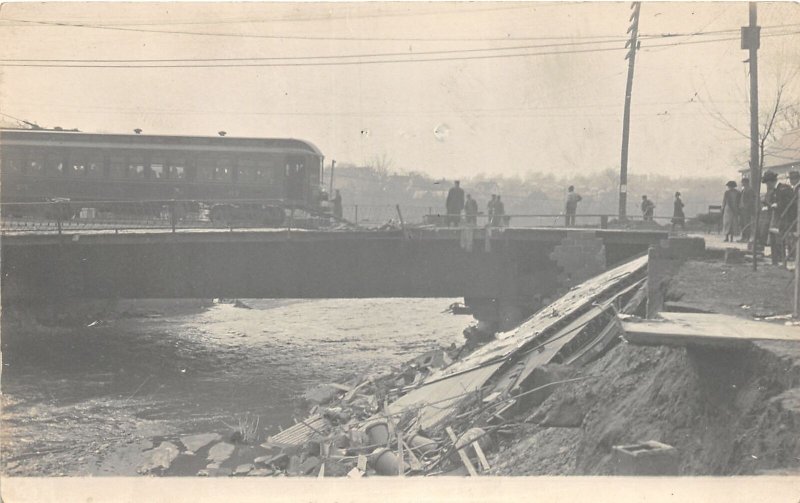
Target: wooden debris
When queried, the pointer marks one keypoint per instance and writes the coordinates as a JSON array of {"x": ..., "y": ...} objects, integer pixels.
[
  {"x": 462, "y": 454},
  {"x": 414, "y": 461},
  {"x": 481, "y": 456}
]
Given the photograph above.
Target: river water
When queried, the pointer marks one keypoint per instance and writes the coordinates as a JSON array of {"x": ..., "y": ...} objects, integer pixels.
[{"x": 89, "y": 400}]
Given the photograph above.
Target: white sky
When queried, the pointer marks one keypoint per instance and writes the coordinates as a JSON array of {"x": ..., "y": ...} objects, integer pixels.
[{"x": 560, "y": 113}]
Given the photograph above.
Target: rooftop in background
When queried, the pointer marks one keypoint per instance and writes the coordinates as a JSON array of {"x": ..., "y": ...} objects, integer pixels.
[{"x": 783, "y": 156}]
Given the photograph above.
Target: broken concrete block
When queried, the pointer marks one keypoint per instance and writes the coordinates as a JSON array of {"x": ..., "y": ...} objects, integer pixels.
[
  {"x": 645, "y": 458},
  {"x": 243, "y": 469},
  {"x": 260, "y": 472},
  {"x": 322, "y": 394},
  {"x": 159, "y": 458},
  {"x": 196, "y": 442},
  {"x": 220, "y": 452}
]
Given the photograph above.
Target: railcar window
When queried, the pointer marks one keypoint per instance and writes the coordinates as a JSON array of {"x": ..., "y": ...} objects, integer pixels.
[
  {"x": 247, "y": 171},
  {"x": 177, "y": 169},
  {"x": 205, "y": 170},
  {"x": 118, "y": 167},
  {"x": 54, "y": 165},
  {"x": 223, "y": 171},
  {"x": 268, "y": 173},
  {"x": 136, "y": 168},
  {"x": 157, "y": 169},
  {"x": 77, "y": 167},
  {"x": 34, "y": 167},
  {"x": 94, "y": 168},
  {"x": 10, "y": 163}
]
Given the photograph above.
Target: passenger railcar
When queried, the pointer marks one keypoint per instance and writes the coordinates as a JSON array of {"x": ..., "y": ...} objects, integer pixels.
[{"x": 46, "y": 165}]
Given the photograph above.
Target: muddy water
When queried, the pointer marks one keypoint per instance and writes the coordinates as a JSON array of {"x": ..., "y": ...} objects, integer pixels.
[{"x": 89, "y": 401}]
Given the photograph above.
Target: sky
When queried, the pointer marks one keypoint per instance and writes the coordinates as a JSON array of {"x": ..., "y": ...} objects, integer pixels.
[{"x": 412, "y": 86}]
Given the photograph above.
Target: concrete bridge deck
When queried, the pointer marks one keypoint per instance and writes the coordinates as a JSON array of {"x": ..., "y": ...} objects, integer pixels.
[{"x": 496, "y": 263}]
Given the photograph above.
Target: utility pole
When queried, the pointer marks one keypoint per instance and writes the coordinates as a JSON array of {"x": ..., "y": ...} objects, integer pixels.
[
  {"x": 751, "y": 38},
  {"x": 626, "y": 118}
]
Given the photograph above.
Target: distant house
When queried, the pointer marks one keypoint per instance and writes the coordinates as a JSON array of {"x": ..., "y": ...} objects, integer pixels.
[{"x": 783, "y": 156}]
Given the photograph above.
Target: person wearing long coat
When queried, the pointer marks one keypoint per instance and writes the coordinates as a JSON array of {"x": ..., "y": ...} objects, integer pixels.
[
  {"x": 678, "y": 218},
  {"x": 730, "y": 211}
]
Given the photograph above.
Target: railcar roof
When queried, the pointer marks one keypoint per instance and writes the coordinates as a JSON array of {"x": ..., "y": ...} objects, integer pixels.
[{"x": 156, "y": 140}]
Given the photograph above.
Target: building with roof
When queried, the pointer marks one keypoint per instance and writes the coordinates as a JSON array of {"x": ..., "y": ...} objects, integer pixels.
[{"x": 783, "y": 156}]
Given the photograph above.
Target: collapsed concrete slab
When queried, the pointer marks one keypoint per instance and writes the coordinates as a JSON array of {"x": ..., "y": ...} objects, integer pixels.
[{"x": 685, "y": 329}]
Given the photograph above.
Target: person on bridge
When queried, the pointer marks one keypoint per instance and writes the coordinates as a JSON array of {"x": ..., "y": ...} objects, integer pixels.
[
  {"x": 647, "y": 209},
  {"x": 572, "y": 206},
  {"x": 499, "y": 213},
  {"x": 454, "y": 204},
  {"x": 471, "y": 211},
  {"x": 678, "y": 218},
  {"x": 747, "y": 211},
  {"x": 490, "y": 209},
  {"x": 337, "y": 205},
  {"x": 730, "y": 211}
]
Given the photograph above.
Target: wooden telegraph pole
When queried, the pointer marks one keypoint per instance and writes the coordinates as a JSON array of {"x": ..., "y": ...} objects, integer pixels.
[
  {"x": 751, "y": 37},
  {"x": 626, "y": 118}
]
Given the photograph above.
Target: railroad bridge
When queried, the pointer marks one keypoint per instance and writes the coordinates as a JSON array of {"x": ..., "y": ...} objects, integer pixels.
[{"x": 502, "y": 273}]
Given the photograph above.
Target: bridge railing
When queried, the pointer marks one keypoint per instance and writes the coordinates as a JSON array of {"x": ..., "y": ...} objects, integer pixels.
[{"x": 174, "y": 215}]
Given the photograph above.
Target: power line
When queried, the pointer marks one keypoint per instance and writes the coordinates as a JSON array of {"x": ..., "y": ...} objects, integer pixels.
[
  {"x": 384, "y": 61},
  {"x": 315, "y": 37},
  {"x": 342, "y": 56}
]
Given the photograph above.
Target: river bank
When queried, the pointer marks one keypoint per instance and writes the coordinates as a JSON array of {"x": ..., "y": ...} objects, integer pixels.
[{"x": 91, "y": 398}]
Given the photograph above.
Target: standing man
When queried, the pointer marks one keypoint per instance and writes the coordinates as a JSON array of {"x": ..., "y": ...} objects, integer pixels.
[
  {"x": 572, "y": 206},
  {"x": 647, "y": 209},
  {"x": 337, "y": 205},
  {"x": 746, "y": 210},
  {"x": 454, "y": 204},
  {"x": 778, "y": 199},
  {"x": 471, "y": 211},
  {"x": 678, "y": 218},
  {"x": 499, "y": 213}
]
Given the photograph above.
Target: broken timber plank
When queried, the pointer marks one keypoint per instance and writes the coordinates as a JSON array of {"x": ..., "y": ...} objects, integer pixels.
[
  {"x": 681, "y": 329},
  {"x": 481, "y": 455},
  {"x": 461, "y": 453},
  {"x": 414, "y": 461}
]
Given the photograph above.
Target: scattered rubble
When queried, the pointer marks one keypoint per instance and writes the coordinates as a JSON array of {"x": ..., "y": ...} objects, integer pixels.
[
  {"x": 159, "y": 459},
  {"x": 449, "y": 410}
]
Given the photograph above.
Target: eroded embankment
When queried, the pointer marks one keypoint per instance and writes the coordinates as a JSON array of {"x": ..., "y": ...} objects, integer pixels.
[{"x": 727, "y": 411}]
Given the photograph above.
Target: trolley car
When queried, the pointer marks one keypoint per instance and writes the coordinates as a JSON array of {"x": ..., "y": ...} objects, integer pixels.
[{"x": 110, "y": 172}]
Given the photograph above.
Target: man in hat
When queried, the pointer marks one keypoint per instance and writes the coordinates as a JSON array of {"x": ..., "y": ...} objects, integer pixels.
[
  {"x": 454, "y": 204},
  {"x": 791, "y": 212},
  {"x": 572, "y": 206},
  {"x": 730, "y": 211},
  {"x": 778, "y": 199},
  {"x": 647, "y": 209},
  {"x": 747, "y": 200},
  {"x": 471, "y": 211}
]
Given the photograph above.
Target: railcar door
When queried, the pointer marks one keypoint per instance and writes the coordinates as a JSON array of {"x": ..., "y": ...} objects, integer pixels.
[{"x": 295, "y": 178}]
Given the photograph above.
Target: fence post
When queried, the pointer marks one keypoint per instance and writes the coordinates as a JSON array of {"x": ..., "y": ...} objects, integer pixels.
[{"x": 356, "y": 220}]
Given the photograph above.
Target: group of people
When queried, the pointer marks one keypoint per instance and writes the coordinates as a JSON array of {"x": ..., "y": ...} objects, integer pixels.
[
  {"x": 456, "y": 203},
  {"x": 778, "y": 217}
]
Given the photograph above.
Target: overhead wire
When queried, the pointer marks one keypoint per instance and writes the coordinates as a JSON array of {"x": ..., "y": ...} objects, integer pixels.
[
  {"x": 322, "y": 37},
  {"x": 378, "y": 61}
]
